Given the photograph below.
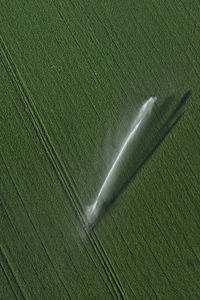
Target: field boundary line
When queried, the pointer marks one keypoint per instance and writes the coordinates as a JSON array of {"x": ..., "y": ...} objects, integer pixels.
[
  {"x": 40, "y": 129},
  {"x": 100, "y": 252},
  {"x": 34, "y": 228},
  {"x": 64, "y": 177}
]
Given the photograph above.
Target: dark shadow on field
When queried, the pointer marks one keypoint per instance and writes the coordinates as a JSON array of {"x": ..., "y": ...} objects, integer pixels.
[{"x": 161, "y": 123}]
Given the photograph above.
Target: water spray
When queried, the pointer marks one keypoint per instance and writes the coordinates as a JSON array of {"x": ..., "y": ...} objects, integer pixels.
[{"x": 93, "y": 211}]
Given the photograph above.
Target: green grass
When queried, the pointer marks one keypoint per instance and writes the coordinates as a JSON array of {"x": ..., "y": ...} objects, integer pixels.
[{"x": 72, "y": 74}]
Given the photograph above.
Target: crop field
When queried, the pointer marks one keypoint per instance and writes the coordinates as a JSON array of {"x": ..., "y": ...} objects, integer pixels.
[{"x": 73, "y": 76}]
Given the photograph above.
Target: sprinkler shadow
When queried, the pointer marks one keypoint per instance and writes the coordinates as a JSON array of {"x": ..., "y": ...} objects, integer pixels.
[{"x": 171, "y": 120}]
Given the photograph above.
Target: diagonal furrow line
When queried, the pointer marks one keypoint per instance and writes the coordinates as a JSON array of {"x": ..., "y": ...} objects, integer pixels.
[
  {"x": 87, "y": 52},
  {"x": 79, "y": 46},
  {"x": 109, "y": 271},
  {"x": 1, "y": 267},
  {"x": 116, "y": 44},
  {"x": 157, "y": 261},
  {"x": 35, "y": 230},
  {"x": 38, "y": 124},
  {"x": 177, "y": 42},
  {"x": 145, "y": 287},
  {"x": 40, "y": 238},
  {"x": 107, "y": 54},
  {"x": 63, "y": 176},
  {"x": 98, "y": 247},
  {"x": 7, "y": 269},
  {"x": 87, "y": 62},
  {"x": 110, "y": 268}
]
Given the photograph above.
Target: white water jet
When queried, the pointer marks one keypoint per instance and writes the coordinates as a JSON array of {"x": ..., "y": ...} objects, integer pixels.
[{"x": 92, "y": 211}]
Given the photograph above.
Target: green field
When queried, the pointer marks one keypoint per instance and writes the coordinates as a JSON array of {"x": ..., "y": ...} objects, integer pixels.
[{"x": 72, "y": 76}]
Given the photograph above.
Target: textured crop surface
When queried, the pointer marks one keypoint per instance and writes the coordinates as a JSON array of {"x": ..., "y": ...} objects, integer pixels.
[{"x": 73, "y": 75}]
